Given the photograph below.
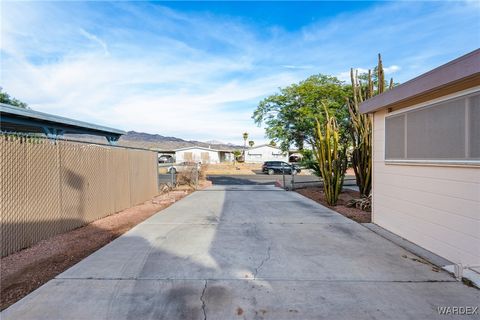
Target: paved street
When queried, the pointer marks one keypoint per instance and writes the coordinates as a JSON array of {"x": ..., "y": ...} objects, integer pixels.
[
  {"x": 247, "y": 252},
  {"x": 260, "y": 179},
  {"x": 252, "y": 179}
]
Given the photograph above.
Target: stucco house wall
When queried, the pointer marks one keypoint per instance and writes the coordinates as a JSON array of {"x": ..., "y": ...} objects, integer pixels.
[
  {"x": 264, "y": 153},
  {"x": 436, "y": 206},
  {"x": 426, "y": 160}
]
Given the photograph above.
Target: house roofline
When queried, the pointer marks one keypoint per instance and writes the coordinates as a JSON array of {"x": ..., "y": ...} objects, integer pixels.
[
  {"x": 459, "y": 74},
  {"x": 196, "y": 147},
  {"x": 263, "y": 145}
]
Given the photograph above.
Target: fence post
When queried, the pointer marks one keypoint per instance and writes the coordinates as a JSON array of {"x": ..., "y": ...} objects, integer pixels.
[
  {"x": 196, "y": 175},
  {"x": 283, "y": 174},
  {"x": 293, "y": 179},
  {"x": 158, "y": 173},
  {"x": 173, "y": 179}
]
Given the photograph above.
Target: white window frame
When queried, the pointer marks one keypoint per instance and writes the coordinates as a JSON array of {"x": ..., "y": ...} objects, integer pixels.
[
  {"x": 469, "y": 163},
  {"x": 255, "y": 155}
]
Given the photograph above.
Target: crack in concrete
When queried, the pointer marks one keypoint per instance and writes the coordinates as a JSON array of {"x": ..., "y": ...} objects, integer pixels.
[
  {"x": 204, "y": 305},
  {"x": 257, "y": 269}
]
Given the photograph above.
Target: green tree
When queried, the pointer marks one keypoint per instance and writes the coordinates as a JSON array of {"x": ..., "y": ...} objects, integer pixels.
[
  {"x": 310, "y": 162},
  {"x": 251, "y": 143},
  {"x": 289, "y": 116},
  {"x": 5, "y": 98},
  {"x": 237, "y": 153}
]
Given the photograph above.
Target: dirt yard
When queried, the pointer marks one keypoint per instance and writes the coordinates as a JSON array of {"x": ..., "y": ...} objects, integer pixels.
[
  {"x": 316, "y": 194},
  {"x": 232, "y": 169},
  {"x": 241, "y": 169},
  {"x": 26, "y": 270}
]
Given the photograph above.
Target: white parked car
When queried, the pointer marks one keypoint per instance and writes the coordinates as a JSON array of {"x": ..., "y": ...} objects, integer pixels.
[
  {"x": 182, "y": 167},
  {"x": 166, "y": 158}
]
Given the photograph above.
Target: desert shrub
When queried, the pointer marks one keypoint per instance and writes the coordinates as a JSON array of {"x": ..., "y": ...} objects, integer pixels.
[
  {"x": 202, "y": 172},
  {"x": 309, "y": 162},
  {"x": 187, "y": 176},
  {"x": 190, "y": 174},
  {"x": 363, "y": 203}
]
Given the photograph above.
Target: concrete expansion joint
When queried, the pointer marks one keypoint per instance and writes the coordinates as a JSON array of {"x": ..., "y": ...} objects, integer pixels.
[
  {"x": 269, "y": 279},
  {"x": 204, "y": 305},
  {"x": 267, "y": 257}
]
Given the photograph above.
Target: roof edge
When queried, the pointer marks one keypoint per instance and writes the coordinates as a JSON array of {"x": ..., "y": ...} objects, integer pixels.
[
  {"x": 196, "y": 147},
  {"x": 463, "y": 70},
  {"x": 28, "y": 113},
  {"x": 263, "y": 145}
]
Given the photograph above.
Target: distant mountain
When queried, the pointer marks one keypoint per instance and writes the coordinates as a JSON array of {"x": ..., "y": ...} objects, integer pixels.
[
  {"x": 146, "y": 140},
  {"x": 157, "y": 141},
  {"x": 214, "y": 142},
  {"x": 140, "y": 136}
]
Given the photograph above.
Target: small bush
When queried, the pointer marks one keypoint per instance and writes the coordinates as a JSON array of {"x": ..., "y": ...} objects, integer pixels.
[
  {"x": 187, "y": 176},
  {"x": 202, "y": 173},
  {"x": 364, "y": 203},
  {"x": 190, "y": 174}
]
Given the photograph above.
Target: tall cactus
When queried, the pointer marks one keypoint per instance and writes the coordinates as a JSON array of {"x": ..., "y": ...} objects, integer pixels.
[
  {"x": 361, "y": 125},
  {"x": 331, "y": 159}
]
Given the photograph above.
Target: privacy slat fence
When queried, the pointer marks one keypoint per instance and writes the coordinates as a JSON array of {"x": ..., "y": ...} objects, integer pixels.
[{"x": 53, "y": 186}]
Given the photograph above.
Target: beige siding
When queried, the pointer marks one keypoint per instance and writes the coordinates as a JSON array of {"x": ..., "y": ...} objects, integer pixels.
[
  {"x": 204, "y": 156},
  {"x": 436, "y": 207},
  {"x": 260, "y": 154}
]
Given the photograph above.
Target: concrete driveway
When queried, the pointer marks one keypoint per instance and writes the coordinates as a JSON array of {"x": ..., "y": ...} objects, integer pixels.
[{"x": 247, "y": 252}]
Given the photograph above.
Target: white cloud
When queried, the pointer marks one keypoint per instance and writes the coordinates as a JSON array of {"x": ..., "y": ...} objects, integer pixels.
[
  {"x": 148, "y": 68},
  {"x": 177, "y": 90},
  {"x": 289, "y": 66},
  {"x": 346, "y": 77},
  {"x": 391, "y": 69},
  {"x": 96, "y": 39}
]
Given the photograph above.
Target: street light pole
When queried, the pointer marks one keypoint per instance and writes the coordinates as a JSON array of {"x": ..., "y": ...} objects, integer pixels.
[{"x": 245, "y": 137}]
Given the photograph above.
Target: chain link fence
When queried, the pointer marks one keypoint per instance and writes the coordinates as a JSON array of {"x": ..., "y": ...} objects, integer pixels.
[
  {"x": 175, "y": 175},
  {"x": 50, "y": 186}
]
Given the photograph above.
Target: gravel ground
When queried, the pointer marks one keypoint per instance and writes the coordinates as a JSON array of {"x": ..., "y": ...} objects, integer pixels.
[
  {"x": 233, "y": 169},
  {"x": 316, "y": 194},
  {"x": 26, "y": 270}
]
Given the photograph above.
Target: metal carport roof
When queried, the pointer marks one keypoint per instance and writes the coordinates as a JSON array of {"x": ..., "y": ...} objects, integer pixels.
[{"x": 25, "y": 120}]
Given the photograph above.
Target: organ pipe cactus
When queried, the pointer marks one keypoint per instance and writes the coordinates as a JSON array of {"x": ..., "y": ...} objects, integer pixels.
[
  {"x": 361, "y": 125},
  {"x": 331, "y": 158}
]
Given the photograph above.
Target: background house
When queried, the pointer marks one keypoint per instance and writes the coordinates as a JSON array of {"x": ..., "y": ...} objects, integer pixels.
[
  {"x": 426, "y": 160},
  {"x": 203, "y": 155},
  {"x": 262, "y": 153}
]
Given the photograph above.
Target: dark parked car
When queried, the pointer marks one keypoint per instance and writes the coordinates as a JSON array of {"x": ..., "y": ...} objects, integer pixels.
[{"x": 272, "y": 167}]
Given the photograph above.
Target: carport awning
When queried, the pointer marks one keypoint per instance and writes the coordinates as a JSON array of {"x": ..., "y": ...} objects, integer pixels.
[{"x": 24, "y": 120}]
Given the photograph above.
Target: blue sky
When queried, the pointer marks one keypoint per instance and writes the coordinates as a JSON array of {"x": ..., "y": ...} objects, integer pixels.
[{"x": 197, "y": 70}]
